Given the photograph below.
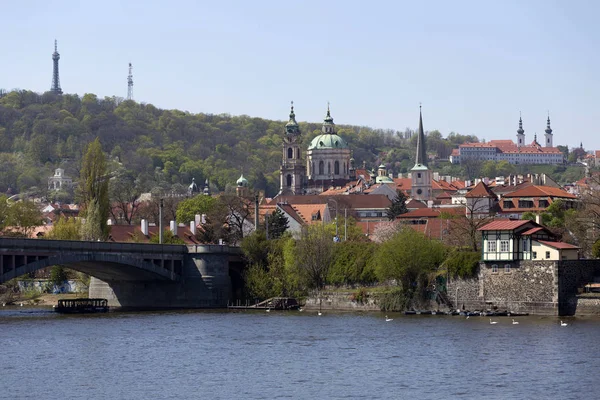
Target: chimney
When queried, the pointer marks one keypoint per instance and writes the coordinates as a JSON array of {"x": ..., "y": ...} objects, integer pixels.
[
  {"x": 429, "y": 203},
  {"x": 193, "y": 227},
  {"x": 436, "y": 176},
  {"x": 198, "y": 218},
  {"x": 144, "y": 227},
  {"x": 173, "y": 226},
  {"x": 203, "y": 219},
  {"x": 538, "y": 220},
  {"x": 486, "y": 180}
]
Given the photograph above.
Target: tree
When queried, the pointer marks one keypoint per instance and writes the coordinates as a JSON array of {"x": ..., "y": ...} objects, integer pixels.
[
  {"x": 65, "y": 229},
  {"x": 197, "y": 205},
  {"x": 409, "y": 257},
  {"x": 463, "y": 230},
  {"x": 277, "y": 224},
  {"x": 398, "y": 206},
  {"x": 24, "y": 216},
  {"x": 168, "y": 238},
  {"x": 4, "y": 210},
  {"x": 238, "y": 211},
  {"x": 124, "y": 195},
  {"x": 314, "y": 255},
  {"x": 91, "y": 229},
  {"x": 256, "y": 248},
  {"x": 93, "y": 192}
]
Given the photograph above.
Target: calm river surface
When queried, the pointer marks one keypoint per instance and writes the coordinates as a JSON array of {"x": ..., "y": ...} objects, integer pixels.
[{"x": 294, "y": 355}]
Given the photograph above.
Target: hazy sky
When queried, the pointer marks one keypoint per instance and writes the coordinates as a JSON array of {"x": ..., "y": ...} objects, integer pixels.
[{"x": 473, "y": 64}]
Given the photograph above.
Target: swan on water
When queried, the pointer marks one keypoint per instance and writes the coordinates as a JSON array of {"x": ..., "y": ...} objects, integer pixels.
[
  {"x": 301, "y": 309},
  {"x": 515, "y": 322},
  {"x": 388, "y": 319},
  {"x": 21, "y": 304},
  {"x": 563, "y": 323},
  {"x": 467, "y": 317},
  {"x": 319, "y": 313},
  {"x": 493, "y": 322},
  {"x": 268, "y": 310}
]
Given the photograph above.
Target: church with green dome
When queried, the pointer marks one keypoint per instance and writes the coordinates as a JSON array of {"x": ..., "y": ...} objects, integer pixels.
[
  {"x": 328, "y": 159},
  {"x": 328, "y": 155}
]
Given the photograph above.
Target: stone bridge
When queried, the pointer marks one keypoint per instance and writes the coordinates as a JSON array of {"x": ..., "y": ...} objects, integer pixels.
[{"x": 133, "y": 275}]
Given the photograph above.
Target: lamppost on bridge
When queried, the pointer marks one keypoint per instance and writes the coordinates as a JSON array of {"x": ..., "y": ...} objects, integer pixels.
[{"x": 160, "y": 222}]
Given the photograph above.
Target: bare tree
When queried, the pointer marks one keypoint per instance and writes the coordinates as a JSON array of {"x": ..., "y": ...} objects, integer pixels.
[{"x": 463, "y": 230}]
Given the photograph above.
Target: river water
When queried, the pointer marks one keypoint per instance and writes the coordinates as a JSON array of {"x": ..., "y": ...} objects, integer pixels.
[{"x": 294, "y": 355}]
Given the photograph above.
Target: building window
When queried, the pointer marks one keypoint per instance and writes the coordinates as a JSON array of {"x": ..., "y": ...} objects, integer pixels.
[
  {"x": 336, "y": 168},
  {"x": 492, "y": 246},
  {"x": 298, "y": 153},
  {"x": 418, "y": 175},
  {"x": 525, "y": 245},
  {"x": 507, "y": 268},
  {"x": 504, "y": 246},
  {"x": 321, "y": 168},
  {"x": 289, "y": 180},
  {"x": 290, "y": 153},
  {"x": 534, "y": 255},
  {"x": 547, "y": 255},
  {"x": 495, "y": 268}
]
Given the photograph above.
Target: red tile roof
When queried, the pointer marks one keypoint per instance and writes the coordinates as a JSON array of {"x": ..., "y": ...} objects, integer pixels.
[
  {"x": 504, "y": 225},
  {"x": 480, "y": 191},
  {"x": 541, "y": 191},
  {"x": 558, "y": 245},
  {"x": 532, "y": 231}
]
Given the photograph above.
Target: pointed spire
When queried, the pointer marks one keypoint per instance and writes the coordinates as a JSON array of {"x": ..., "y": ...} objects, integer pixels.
[
  {"x": 520, "y": 131},
  {"x": 421, "y": 157},
  {"x": 55, "y": 46},
  {"x": 292, "y": 128},
  {"x": 548, "y": 129},
  {"x": 328, "y": 125}
]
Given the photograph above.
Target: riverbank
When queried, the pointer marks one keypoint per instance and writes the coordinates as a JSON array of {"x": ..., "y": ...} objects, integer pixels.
[{"x": 45, "y": 299}]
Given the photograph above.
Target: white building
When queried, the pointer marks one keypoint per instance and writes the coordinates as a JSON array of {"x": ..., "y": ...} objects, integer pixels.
[{"x": 513, "y": 153}]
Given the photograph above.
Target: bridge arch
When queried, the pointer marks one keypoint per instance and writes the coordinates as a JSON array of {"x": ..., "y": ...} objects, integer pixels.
[{"x": 99, "y": 265}]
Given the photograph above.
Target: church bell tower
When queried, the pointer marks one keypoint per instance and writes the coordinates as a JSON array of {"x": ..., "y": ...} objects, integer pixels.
[
  {"x": 292, "y": 172},
  {"x": 420, "y": 173}
]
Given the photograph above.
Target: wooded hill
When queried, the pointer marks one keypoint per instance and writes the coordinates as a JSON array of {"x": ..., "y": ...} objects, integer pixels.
[{"x": 165, "y": 149}]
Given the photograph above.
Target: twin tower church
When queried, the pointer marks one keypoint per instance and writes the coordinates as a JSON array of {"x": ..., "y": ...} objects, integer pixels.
[{"x": 329, "y": 162}]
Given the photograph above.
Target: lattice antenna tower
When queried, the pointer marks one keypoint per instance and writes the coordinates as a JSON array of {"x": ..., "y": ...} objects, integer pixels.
[
  {"x": 55, "y": 79},
  {"x": 130, "y": 83}
]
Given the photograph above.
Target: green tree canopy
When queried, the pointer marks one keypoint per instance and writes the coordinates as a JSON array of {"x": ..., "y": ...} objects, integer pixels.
[
  {"x": 93, "y": 192},
  {"x": 188, "y": 208},
  {"x": 408, "y": 257}
]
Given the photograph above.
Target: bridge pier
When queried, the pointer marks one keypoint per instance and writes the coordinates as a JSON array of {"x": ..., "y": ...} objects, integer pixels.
[{"x": 204, "y": 283}]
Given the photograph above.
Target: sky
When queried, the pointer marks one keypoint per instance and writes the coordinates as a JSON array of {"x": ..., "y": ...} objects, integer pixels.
[{"x": 474, "y": 65}]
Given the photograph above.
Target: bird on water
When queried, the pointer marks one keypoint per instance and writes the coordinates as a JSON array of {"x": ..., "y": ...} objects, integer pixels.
[
  {"x": 493, "y": 322},
  {"x": 515, "y": 322},
  {"x": 563, "y": 323},
  {"x": 388, "y": 319}
]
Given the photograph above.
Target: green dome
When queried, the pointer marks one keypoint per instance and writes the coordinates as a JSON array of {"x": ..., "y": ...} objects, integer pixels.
[
  {"x": 384, "y": 179},
  {"x": 328, "y": 141},
  {"x": 242, "y": 181}
]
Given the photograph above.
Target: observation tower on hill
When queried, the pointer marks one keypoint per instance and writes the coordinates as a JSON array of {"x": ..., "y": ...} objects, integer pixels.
[{"x": 55, "y": 79}]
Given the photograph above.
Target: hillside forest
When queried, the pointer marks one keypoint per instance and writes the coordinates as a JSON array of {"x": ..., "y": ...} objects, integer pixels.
[{"x": 157, "y": 150}]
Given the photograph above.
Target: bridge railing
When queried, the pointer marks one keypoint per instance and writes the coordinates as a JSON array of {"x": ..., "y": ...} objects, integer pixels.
[{"x": 84, "y": 246}]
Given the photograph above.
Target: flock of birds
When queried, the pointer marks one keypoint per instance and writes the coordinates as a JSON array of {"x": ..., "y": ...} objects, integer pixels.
[{"x": 387, "y": 319}]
